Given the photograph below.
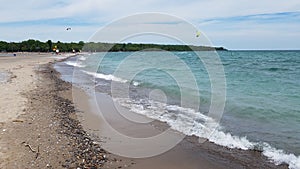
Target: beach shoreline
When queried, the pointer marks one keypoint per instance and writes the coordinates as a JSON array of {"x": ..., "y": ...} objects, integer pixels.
[
  {"x": 52, "y": 133},
  {"x": 189, "y": 153}
]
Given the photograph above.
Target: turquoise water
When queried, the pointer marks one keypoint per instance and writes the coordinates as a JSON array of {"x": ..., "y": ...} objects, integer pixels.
[{"x": 262, "y": 93}]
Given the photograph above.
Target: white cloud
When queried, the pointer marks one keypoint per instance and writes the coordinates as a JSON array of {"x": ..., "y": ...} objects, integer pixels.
[
  {"x": 250, "y": 34},
  {"x": 16, "y": 10}
]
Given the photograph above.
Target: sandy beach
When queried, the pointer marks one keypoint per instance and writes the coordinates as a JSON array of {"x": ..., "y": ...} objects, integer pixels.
[
  {"x": 16, "y": 111},
  {"x": 19, "y": 72},
  {"x": 41, "y": 127},
  {"x": 38, "y": 127}
]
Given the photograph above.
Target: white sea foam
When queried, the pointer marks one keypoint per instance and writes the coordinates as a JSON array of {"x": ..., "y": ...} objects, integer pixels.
[
  {"x": 82, "y": 58},
  {"x": 105, "y": 77},
  {"x": 134, "y": 83},
  {"x": 230, "y": 141},
  {"x": 279, "y": 157},
  {"x": 110, "y": 77},
  {"x": 74, "y": 63},
  {"x": 190, "y": 122}
]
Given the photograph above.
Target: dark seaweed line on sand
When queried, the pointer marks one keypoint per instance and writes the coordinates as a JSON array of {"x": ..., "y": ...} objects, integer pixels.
[{"x": 85, "y": 152}]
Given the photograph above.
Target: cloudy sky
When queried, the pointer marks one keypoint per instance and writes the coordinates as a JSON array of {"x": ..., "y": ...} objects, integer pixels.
[{"x": 242, "y": 24}]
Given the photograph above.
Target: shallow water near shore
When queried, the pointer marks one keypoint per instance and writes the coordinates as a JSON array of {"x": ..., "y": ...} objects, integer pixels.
[{"x": 262, "y": 110}]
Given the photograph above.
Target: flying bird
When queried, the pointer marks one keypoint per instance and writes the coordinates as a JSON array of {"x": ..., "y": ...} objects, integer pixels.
[{"x": 68, "y": 29}]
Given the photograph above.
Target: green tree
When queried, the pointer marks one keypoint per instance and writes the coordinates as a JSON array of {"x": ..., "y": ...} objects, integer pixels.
[
  {"x": 49, "y": 42},
  {"x": 3, "y": 46}
]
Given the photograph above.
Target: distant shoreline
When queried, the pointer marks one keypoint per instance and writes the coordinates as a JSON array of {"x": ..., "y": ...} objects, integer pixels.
[
  {"x": 132, "y": 47},
  {"x": 49, "y": 46},
  {"x": 263, "y": 50}
]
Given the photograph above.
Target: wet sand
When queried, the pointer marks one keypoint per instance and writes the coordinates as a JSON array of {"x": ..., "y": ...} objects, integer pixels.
[{"x": 181, "y": 156}]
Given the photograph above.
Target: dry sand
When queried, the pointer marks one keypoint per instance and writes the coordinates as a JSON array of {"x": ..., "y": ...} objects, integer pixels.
[
  {"x": 21, "y": 78},
  {"x": 28, "y": 129},
  {"x": 43, "y": 130}
]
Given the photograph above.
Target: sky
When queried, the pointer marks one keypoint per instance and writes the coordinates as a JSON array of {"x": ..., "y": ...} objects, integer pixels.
[{"x": 242, "y": 24}]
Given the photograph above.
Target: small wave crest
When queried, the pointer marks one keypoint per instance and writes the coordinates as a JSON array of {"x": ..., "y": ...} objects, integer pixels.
[
  {"x": 111, "y": 78},
  {"x": 82, "y": 58},
  {"x": 134, "y": 83},
  {"x": 105, "y": 77},
  {"x": 75, "y": 64}
]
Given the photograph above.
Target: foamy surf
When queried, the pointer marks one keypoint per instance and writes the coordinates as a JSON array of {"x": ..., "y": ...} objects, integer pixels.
[
  {"x": 280, "y": 157},
  {"x": 134, "y": 83},
  {"x": 105, "y": 77},
  {"x": 75, "y": 64},
  {"x": 82, "y": 58},
  {"x": 110, "y": 78},
  {"x": 190, "y": 122}
]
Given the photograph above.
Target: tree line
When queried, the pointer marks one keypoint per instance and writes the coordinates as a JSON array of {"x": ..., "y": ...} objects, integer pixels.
[
  {"x": 38, "y": 46},
  {"x": 48, "y": 46},
  {"x": 111, "y": 47}
]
